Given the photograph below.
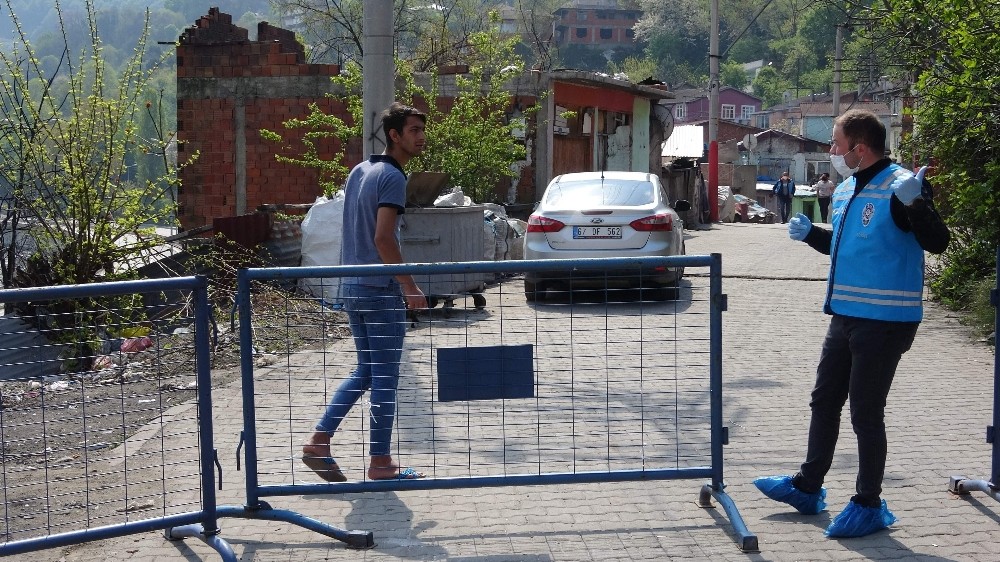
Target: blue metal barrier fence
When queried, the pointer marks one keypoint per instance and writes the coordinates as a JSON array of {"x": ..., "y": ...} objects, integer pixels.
[
  {"x": 960, "y": 485},
  {"x": 523, "y": 388},
  {"x": 91, "y": 376}
]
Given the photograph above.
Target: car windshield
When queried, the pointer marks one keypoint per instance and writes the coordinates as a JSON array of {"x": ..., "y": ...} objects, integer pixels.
[{"x": 594, "y": 193}]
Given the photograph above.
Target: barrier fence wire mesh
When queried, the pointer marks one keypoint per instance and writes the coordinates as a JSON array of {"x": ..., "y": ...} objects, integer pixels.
[
  {"x": 88, "y": 388},
  {"x": 616, "y": 380}
]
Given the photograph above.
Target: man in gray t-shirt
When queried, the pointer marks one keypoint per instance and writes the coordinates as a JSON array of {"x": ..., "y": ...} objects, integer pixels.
[
  {"x": 375, "y": 197},
  {"x": 376, "y": 183}
]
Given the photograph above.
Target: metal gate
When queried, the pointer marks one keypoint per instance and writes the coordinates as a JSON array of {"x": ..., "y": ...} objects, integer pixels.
[
  {"x": 960, "y": 485},
  {"x": 594, "y": 383},
  {"x": 91, "y": 376}
]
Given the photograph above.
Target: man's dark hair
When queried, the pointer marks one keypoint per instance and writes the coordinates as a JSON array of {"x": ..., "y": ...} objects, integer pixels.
[
  {"x": 864, "y": 127},
  {"x": 394, "y": 119}
]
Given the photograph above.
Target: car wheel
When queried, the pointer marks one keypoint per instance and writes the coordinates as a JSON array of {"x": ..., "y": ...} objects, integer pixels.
[{"x": 660, "y": 293}]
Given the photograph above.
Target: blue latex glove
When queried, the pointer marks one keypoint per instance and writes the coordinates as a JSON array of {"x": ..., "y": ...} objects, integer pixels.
[
  {"x": 909, "y": 189},
  {"x": 799, "y": 226}
]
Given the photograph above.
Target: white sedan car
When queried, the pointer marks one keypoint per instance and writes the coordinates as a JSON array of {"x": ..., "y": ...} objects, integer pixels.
[{"x": 604, "y": 214}]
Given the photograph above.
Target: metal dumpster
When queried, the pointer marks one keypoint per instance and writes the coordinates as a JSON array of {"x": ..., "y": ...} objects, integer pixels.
[
  {"x": 445, "y": 234},
  {"x": 431, "y": 234}
]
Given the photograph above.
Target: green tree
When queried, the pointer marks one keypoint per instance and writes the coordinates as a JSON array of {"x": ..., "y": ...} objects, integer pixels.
[
  {"x": 732, "y": 74},
  {"x": 955, "y": 56},
  {"x": 769, "y": 86},
  {"x": 428, "y": 34},
  {"x": 637, "y": 69},
  {"x": 473, "y": 140},
  {"x": 66, "y": 155},
  {"x": 306, "y": 147}
]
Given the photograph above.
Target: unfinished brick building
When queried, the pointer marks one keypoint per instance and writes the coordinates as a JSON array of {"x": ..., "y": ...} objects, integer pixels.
[{"x": 228, "y": 89}]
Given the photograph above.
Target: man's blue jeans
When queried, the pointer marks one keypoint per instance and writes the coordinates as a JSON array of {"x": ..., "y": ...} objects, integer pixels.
[{"x": 377, "y": 317}]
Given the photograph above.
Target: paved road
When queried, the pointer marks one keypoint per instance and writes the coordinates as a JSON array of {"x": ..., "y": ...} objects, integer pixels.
[{"x": 937, "y": 414}]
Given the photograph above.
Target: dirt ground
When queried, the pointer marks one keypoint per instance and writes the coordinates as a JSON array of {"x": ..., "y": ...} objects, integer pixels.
[{"x": 62, "y": 436}]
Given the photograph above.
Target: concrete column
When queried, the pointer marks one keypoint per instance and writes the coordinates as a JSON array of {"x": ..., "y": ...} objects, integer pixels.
[
  {"x": 640, "y": 135},
  {"x": 378, "y": 80},
  {"x": 240, "y": 158},
  {"x": 544, "y": 120}
]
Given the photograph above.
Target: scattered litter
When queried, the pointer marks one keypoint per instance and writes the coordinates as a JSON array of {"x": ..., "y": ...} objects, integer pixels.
[
  {"x": 146, "y": 401},
  {"x": 265, "y": 360},
  {"x": 103, "y": 362},
  {"x": 59, "y": 385},
  {"x": 135, "y": 345},
  {"x": 137, "y": 507},
  {"x": 193, "y": 385}
]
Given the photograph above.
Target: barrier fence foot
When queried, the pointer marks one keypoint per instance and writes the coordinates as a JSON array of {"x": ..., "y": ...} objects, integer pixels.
[
  {"x": 746, "y": 540},
  {"x": 962, "y": 486},
  {"x": 353, "y": 539},
  {"x": 196, "y": 530}
]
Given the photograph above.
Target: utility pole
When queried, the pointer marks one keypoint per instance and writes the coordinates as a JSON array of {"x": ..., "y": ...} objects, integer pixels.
[
  {"x": 837, "y": 58},
  {"x": 713, "y": 114},
  {"x": 378, "y": 78}
]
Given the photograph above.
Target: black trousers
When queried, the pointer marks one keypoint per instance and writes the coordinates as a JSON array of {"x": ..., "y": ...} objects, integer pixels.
[
  {"x": 824, "y": 207},
  {"x": 784, "y": 207},
  {"x": 858, "y": 361}
]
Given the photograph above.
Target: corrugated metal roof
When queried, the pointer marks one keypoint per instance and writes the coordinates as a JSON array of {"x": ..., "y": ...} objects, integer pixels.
[{"x": 686, "y": 141}]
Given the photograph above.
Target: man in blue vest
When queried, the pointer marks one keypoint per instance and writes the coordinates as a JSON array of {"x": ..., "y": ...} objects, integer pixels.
[{"x": 883, "y": 220}]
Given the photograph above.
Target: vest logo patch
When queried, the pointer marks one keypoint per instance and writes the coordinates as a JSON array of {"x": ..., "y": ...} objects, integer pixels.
[{"x": 867, "y": 214}]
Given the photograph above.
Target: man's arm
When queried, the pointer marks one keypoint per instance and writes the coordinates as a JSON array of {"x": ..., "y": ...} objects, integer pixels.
[
  {"x": 819, "y": 239},
  {"x": 389, "y": 252},
  {"x": 912, "y": 209}
]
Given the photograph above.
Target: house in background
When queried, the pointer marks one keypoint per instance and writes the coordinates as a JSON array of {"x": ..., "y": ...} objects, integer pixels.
[
  {"x": 734, "y": 105},
  {"x": 812, "y": 117},
  {"x": 596, "y": 23},
  {"x": 776, "y": 151}
]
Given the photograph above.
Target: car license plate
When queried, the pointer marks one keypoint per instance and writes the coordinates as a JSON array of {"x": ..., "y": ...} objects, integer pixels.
[{"x": 597, "y": 232}]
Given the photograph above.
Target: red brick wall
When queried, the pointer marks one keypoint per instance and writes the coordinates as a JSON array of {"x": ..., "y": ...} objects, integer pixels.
[{"x": 226, "y": 94}]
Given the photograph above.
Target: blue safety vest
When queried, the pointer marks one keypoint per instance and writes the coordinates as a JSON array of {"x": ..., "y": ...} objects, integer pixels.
[{"x": 876, "y": 269}]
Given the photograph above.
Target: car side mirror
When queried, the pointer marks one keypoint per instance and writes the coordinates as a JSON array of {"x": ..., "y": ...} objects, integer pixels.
[{"x": 682, "y": 206}]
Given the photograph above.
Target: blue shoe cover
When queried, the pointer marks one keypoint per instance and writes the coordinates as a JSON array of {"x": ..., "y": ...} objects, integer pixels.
[
  {"x": 857, "y": 521},
  {"x": 780, "y": 488}
]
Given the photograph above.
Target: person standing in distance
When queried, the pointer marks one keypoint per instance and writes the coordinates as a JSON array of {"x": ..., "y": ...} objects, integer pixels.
[
  {"x": 375, "y": 197},
  {"x": 883, "y": 220},
  {"x": 824, "y": 190},
  {"x": 784, "y": 188}
]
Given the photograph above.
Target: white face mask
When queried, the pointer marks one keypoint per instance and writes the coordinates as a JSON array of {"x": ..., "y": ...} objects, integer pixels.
[{"x": 839, "y": 164}]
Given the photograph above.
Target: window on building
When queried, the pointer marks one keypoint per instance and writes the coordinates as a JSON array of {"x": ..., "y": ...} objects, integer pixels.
[
  {"x": 581, "y": 32},
  {"x": 581, "y": 16},
  {"x": 815, "y": 168},
  {"x": 746, "y": 111},
  {"x": 680, "y": 111},
  {"x": 728, "y": 111},
  {"x": 605, "y": 33},
  {"x": 630, "y": 33}
]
